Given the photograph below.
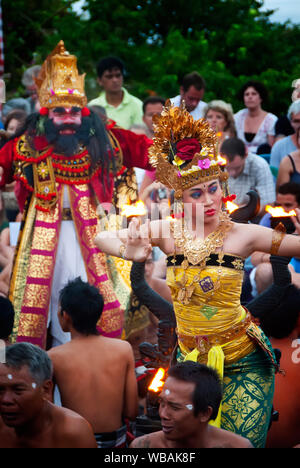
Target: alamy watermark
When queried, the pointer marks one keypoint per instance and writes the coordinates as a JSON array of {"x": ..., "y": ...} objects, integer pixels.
[
  {"x": 110, "y": 221},
  {"x": 2, "y": 352}
]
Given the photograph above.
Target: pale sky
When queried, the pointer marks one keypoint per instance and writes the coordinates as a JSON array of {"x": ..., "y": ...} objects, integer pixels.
[{"x": 286, "y": 9}]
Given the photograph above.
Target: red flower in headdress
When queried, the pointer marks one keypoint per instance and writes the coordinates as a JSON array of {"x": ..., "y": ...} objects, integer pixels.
[{"x": 187, "y": 148}]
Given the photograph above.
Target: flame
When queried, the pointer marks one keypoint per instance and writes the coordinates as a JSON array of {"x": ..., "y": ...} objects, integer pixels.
[
  {"x": 279, "y": 212},
  {"x": 231, "y": 207},
  {"x": 157, "y": 383},
  {"x": 221, "y": 161},
  {"x": 136, "y": 209}
]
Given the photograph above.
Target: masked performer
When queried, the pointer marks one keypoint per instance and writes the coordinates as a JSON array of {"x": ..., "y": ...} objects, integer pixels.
[
  {"x": 206, "y": 252},
  {"x": 64, "y": 162}
]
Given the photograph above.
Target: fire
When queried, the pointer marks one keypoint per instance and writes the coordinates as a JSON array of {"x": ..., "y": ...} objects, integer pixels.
[
  {"x": 136, "y": 209},
  {"x": 157, "y": 382},
  {"x": 279, "y": 212},
  {"x": 231, "y": 207},
  {"x": 221, "y": 161}
]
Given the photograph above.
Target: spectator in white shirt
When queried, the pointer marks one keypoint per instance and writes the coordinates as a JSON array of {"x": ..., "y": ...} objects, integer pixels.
[
  {"x": 254, "y": 125},
  {"x": 191, "y": 92}
]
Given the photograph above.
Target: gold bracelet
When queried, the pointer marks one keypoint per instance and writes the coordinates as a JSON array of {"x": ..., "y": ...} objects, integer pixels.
[
  {"x": 122, "y": 251},
  {"x": 277, "y": 236}
]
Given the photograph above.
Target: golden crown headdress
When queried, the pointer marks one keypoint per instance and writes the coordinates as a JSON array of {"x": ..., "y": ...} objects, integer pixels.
[
  {"x": 184, "y": 150},
  {"x": 58, "y": 83}
]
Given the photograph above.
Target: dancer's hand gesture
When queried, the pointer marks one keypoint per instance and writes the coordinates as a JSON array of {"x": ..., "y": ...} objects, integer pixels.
[{"x": 138, "y": 245}]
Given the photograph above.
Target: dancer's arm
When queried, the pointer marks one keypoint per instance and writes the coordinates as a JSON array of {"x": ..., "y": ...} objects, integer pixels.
[{"x": 133, "y": 243}]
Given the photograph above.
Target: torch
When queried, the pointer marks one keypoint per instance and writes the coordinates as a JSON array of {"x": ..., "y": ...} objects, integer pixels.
[
  {"x": 154, "y": 390},
  {"x": 279, "y": 215},
  {"x": 133, "y": 210},
  {"x": 150, "y": 422}
]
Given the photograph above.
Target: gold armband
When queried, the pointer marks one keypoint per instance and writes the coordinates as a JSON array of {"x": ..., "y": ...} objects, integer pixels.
[{"x": 277, "y": 236}]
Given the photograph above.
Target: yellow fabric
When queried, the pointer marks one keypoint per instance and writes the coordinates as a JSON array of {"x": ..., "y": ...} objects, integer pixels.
[
  {"x": 21, "y": 263},
  {"x": 209, "y": 317},
  {"x": 216, "y": 361},
  {"x": 210, "y": 314},
  {"x": 192, "y": 356}
]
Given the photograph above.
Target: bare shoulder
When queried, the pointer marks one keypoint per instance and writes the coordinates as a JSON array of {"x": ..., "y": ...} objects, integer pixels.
[
  {"x": 228, "y": 439},
  {"x": 117, "y": 344},
  {"x": 285, "y": 162},
  {"x": 56, "y": 353},
  {"x": 72, "y": 430},
  {"x": 238, "y": 441},
  {"x": 153, "y": 440}
]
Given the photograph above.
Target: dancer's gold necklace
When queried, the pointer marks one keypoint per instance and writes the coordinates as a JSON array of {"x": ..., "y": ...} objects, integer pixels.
[{"x": 197, "y": 252}]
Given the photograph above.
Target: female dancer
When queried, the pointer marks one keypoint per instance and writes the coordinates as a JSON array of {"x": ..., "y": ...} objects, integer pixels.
[{"x": 205, "y": 258}]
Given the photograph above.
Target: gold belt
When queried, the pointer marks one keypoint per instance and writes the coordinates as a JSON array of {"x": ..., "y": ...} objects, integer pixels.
[
  {"x": 66, "y": 214},
  {"x": 203, "y": 343}
]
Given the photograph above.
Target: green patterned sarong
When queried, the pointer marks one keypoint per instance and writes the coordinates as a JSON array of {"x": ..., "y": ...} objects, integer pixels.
[{"x": 248, "y": 388}]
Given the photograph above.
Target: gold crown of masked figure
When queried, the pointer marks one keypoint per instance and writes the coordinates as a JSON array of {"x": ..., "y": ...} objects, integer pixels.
[
  {"x": 184, "y": 151},
  {"x": 58, "y": 83}
]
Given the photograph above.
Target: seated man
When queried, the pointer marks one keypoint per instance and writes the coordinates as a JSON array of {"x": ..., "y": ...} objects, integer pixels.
[
  {"x": 27, "y": 418},
  {"x": 247, "y": 172},
  {"x": 94, "y": 374},
  {"x": 288, "y": 197},
  {"x": 190, "y": 398}
]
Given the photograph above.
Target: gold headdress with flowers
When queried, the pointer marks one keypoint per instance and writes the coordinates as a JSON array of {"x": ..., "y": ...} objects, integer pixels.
[
  {"x": 58, "y": 83},
  {"x": 184, "y": 150}
]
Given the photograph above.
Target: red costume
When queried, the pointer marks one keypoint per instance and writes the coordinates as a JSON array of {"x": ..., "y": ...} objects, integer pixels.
[{"x": 44, "y": 181}]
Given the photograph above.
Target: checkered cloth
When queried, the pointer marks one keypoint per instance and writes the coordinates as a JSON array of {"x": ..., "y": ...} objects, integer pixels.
[
  {"x": 115, "y": 439},
  {"x": 257, "y": 176}
]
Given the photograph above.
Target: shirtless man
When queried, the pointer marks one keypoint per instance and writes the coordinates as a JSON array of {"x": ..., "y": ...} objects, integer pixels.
[
  {"x": 189, "y": 400},
  {"x": 94, "y": 374},
  {"x": 27, "y": 418}
]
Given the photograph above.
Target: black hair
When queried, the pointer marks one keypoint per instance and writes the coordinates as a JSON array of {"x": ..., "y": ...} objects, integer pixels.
[
  {"x": 292, "y": 188},
  {"x": 153, "y": 100},
  {"x": 193, "y": 79},
  {"x": 208, "y": 388},
  {"x": 258, "y": 86},
  {"x": 282, "y": 320},
  {"x": 108, "y": 63},
  {"x": 232, "y": 147},
  {"x": 7, "y": 316},
  {"x": 84, "y": 304},
  {"x": 35, "y": 358}
]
